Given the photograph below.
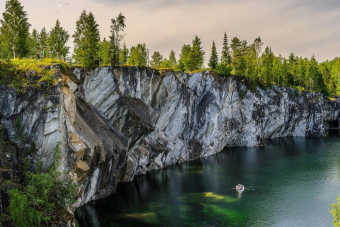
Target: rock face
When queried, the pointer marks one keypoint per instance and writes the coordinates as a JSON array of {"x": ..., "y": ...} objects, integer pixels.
[{"x": 115, "y": 124}]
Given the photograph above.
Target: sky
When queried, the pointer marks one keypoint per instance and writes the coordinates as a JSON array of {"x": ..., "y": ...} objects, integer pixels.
[{"x": 304, "y": 27}]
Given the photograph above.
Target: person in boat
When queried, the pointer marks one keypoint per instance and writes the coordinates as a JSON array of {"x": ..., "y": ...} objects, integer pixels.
[{"x": 240, "y": 187}]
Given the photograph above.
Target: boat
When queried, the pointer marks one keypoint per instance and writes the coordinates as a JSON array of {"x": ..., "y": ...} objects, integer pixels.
[{"x": 239, "y": 188}]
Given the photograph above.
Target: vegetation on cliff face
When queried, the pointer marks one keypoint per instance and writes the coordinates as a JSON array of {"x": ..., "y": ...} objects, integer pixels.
[
  {"x": 43, "y": 201},
  {"x": 37, "y": 197},
  {"x": 20, "y": 73},
  {"x": 336, "y": 213}
]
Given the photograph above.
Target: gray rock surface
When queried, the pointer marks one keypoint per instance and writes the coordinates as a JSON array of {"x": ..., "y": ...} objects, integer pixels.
[{"x": 115, "y": 124}]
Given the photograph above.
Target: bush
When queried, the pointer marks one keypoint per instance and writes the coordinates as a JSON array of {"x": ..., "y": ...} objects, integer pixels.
[
  {"x": 223, "y": 70},
  {"x": 325, "y": 91},
  {"x": 336, "y": 213},
  {"x": 44, "y": 200}
]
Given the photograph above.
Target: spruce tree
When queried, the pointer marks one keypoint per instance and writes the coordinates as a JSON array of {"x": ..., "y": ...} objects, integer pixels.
[
  {"x": 104, "y": 53},
  {"x": 172, "y": 59},
  {"x": 86, "y": 40},
  {"x": 156, "y": 59},
  {"x": 186, "y": 62},
  {"x": 124, "y": 55},
  {"x": 225, "y": 57},
  {"x": 34, "y": 44},
  {"x": 197, "y": 54},
  {"x": 117, "y": 27},
  {"x": 56, "y": 42},
  {"x": 15, "y": 30},
  {"x": 213, "y": 57},
  {"x": 43, "y": 36},
  {"x": 236, "y": 54},
  {"x": 138, "y": 55}
]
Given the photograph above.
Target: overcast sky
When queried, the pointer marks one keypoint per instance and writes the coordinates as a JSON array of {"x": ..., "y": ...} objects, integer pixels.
[{"x": 304, "y": 27}]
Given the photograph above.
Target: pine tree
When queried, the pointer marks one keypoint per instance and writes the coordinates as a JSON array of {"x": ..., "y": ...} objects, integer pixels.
[
  {"x": 117, "y": 26},
  {"x": 124, "y": 55},
  {"x": 56, "y": 42},
  {"x": 267, "y": 65},
  {"x": 86, "y": 40},
  {"x": 213, "y": 57},
  {"x": 156, "y": 59},
  {"x": 186, "y": 62},
  {"x": 138, "y": 55},
  {"x": 225, "y": 57},
  {"x": 172, "y": 59},
  {"x": 43, "y": 36},
  {"x": 104, "y": 53},
  {"x": 236, "y": 54},
  {"x": 34, "y": 43},
  {"x": 15, "y": 30},
  {"x": 197, "y": 54}
]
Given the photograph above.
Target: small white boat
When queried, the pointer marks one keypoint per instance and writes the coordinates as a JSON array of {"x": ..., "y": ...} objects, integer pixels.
[{"x": 239, "y": 188}]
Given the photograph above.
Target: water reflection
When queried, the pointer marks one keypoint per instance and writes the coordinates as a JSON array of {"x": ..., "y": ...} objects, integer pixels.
[{"x": 292, "y": 181}]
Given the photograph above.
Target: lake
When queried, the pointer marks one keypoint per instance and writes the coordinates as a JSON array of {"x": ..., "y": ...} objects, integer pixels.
[{"x": 290, "y": 182}]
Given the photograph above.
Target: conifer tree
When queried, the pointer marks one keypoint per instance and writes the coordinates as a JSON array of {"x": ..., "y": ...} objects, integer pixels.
[
  {"x": 15, "y": 30},
  {"x": 186, "y": 62},
  {"x": 104, "y": 53},
  {"x": 138, "y": 55},
  {"x": 117, "y": 26},
  {"x": 156, "y": 59},
  {"x": 56, "y": 42},
  {"x": 236, "y": 54},
  {"x": 225, "y": 57},
  {"x": 124, "y": 55},
  {"x": 34, "y": 43},
  {"x": 43, "y": 36},
  {"x": 197, "y": 54},
  {"x": 213, "y": 57},
  {"x": 86, "y": 40},
  {"x": 172, "y": 59}
]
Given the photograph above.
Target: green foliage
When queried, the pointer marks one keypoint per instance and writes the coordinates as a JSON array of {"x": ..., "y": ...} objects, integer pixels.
[
  {"x": 33, "y": 148},
  {"x": 185, "y": 59},
  {"x": 104, "y": 53},
  {"x": 117, "y": 27},
  {"x": 45, "y": 198},
  {"x": 86, "y": 41},
  {"x": 223, "y": 70},
  {"x": 225, "y": 57},
  {"x": 34, "y": 43},
  {"x": 138, "y": 55},
  {"x": 197, "y": 54},
  {"x": 56, "y": 42},
  {"x": 18, "y": 73},
  {"x": 156, "y": 59},
  {"x": 213, "y": 57},
  {"x": 336, "y": 212},
  {"x": 124, "y": 55},
  {"x": 43, "y": 36},
  {"x": 172, "y": 59},
  {"x": 14, "y": 31}
]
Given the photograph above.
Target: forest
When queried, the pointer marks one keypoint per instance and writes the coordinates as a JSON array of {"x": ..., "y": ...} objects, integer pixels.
[{"x": 255, "y": 62}]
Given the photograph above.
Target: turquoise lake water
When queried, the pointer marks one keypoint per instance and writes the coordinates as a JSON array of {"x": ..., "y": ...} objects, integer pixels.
[{"x": 291, "y": 181}]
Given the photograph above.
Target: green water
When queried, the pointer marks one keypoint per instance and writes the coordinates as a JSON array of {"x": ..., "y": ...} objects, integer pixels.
[{"x": 292, "y": 182}]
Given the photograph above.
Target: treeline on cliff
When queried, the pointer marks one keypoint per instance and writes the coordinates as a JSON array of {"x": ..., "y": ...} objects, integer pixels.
[{"x": 253, "y": 61}]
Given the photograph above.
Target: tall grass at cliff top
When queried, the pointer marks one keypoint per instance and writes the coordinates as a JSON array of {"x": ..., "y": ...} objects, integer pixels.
[
  {"x": 15, "y": 72},
  {"x": 33, "y": 64}
]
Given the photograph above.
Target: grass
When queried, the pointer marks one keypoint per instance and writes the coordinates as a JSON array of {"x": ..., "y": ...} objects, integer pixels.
[{"x": 19, "y": 73}]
